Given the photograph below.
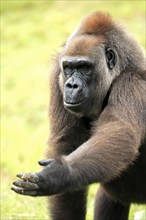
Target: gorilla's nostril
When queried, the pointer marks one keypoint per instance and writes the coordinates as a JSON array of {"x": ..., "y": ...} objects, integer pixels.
[
  {"x": 72, "y": 85},
  {"x": 69, "y": 85},
  {"x": 75, "y": 86}
]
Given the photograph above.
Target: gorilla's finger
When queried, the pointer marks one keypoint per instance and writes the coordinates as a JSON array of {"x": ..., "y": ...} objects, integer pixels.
[
  {"x": 45, "y": 162},
  {"x": 21, "y": 191},
  {"x": 31, "y": 177},
  {"x": 25, "y": 184}
]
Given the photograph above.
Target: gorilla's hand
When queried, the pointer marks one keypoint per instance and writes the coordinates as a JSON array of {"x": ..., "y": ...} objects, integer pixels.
[{"x": 52, "y": 179}]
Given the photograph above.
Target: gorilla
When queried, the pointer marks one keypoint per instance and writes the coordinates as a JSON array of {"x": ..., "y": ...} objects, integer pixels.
[{"x": 97, "y": 116}]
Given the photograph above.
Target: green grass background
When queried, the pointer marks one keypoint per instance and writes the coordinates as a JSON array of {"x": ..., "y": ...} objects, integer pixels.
[{"x": 32, "y": 32}]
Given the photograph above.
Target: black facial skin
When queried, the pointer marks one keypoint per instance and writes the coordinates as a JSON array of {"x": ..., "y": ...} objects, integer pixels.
[{"x": 78, "y": 75}]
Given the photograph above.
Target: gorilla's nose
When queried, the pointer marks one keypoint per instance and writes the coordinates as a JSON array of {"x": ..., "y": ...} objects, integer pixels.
[{"x": 73, "y": 86}]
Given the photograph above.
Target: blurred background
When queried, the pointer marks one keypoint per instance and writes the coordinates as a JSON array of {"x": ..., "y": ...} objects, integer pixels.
[{"x": 32, "y": 32}]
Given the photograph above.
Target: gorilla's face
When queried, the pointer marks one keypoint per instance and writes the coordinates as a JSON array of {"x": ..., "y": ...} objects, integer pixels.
[
  {"x": 86, "y": 75},
  {"x": 78, "y": 74}
]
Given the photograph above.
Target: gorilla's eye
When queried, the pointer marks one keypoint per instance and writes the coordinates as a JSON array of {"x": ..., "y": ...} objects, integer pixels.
[
  {"x": 84, "y": 68},
  {"x": 67, "y": 70},
  {"x": 111, "y": 58}
]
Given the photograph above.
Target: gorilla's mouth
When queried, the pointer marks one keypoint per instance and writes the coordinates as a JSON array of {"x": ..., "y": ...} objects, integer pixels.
[{"x": 73, "y": 105}]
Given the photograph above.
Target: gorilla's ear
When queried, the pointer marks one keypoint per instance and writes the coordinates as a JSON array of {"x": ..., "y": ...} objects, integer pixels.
[{"x": 110, "y": 58}]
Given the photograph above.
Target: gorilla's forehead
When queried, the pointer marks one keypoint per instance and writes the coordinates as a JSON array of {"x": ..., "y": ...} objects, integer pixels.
[{"x": 83, "y": 45}]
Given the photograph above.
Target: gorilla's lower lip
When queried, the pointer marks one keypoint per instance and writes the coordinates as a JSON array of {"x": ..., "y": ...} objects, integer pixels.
[{"x": 70, "y": 105}]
